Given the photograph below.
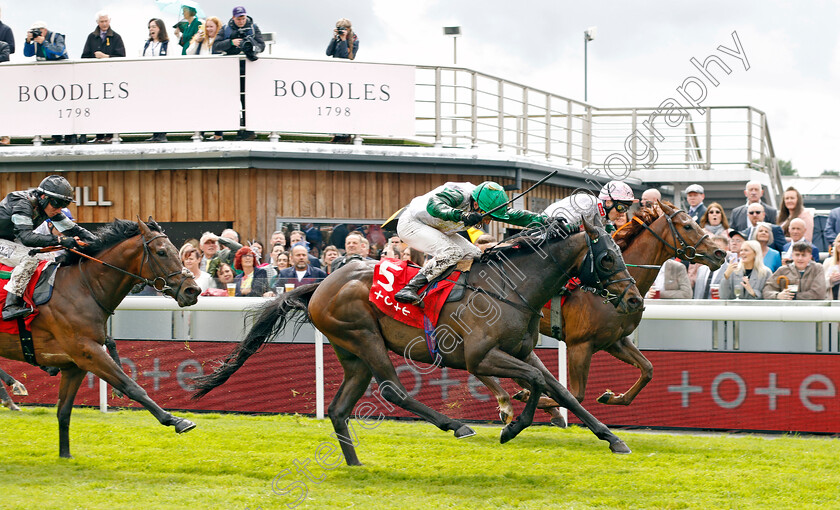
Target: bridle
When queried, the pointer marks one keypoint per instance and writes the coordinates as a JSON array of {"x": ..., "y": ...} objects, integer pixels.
[
  {"x": 159, "y": 283},
  {"x": 594, "y": 276},
  {"x": 684, "y": 251}
]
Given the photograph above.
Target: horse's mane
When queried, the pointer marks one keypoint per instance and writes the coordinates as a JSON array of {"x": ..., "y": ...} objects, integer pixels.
[
  {"x": 625, "y": 235},
  {"x": 107, "y": 236},
  {"x": 527, "y": 240}
]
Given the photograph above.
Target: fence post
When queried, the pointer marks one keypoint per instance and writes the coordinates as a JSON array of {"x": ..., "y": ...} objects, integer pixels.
[
  {"x": 103, "y": 396},
  {"x": 319, "y": 375},
  {"x": 501, "y": 104},
  {"x": 562, "y": 373},
  {"x": 474, "y": 109},
  {"x": 438, "y": 140}
]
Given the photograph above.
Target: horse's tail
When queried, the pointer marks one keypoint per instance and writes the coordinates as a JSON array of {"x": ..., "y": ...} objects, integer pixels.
[{"x": 271, "y": 319}]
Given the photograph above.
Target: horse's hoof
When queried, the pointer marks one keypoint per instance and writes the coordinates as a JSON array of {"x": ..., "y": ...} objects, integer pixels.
[
  {"x": 65, "y": 455},
  {"x": 505, "y": 417},
  {"x": 605, "y": 398},
  {"x": 507, "y": 434},
  {"x": 11, "y": 405},
  {"x": 19, "y": 389},
  {"x": 620, "y": 447},
  {"x": 464, "y": 431},
  {"x": 184, "y": 426},
  {"x": 522, "y": 395},
  {"x": 558, "y": 421}
]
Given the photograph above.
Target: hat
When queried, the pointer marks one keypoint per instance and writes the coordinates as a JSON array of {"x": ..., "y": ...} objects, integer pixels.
[
  {"x": 695, "y": 188},
  {"x": 38, "y": 24},
  {"x": 238, "y": 11},
  {"x": 736, "y": 232}
]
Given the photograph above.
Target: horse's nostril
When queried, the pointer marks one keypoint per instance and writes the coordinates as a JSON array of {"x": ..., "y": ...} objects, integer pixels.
[{"x": 634, "y": 302}]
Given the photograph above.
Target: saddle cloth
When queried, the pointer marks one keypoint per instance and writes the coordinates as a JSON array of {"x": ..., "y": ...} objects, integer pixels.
[
  {"x": 391, "y": 275},
  {"x": 38, "y": 292}
]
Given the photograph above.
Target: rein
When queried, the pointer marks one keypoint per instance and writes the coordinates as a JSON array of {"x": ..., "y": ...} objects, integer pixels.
[{"x": 684, "y": 251}]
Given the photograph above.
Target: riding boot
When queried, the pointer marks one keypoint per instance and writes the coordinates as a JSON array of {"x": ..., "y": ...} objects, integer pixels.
[
  {"x": 15, "y": 307},
  {"x": 408, "y": 294}
]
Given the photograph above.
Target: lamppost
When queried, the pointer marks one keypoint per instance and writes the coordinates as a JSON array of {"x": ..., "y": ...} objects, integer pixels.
[
  {"x": 454, "y": 32},
  {"x": 588, "y": 35}
]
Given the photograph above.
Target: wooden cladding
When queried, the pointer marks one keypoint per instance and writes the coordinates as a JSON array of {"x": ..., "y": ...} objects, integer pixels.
[{"x": 250, "y": 198}]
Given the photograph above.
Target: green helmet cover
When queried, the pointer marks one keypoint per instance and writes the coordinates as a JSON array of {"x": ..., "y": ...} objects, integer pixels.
[{"x": 490, "y": 195}]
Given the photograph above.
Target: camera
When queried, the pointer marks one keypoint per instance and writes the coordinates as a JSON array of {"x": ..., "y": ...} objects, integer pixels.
[
  {"x": 340, "y": 30},
  {"x": 248, "y": 45},
  {"x": 36, "y": 32}
]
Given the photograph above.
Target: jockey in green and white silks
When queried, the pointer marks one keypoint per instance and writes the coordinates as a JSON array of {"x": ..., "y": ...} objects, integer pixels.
[
  {"x": 615, "y": 198},
  {"x": 431, "y": 223}
]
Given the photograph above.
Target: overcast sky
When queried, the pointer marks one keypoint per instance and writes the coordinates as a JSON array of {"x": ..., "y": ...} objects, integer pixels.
[{"x": 640, "y": 55}]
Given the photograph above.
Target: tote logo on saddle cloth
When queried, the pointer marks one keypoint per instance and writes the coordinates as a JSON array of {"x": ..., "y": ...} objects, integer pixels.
[{"x": 391, "y": 275}]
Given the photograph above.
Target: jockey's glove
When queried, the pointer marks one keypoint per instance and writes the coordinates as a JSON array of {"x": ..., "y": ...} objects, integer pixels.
[
  {"x": 471, "y": 218},
  {"x": 68, "y": 242}
]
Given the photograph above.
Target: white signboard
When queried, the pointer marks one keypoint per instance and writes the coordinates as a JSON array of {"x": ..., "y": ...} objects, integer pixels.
[
  {"x": 330, "y": 97},
  {"x": 119, "y": 96}
]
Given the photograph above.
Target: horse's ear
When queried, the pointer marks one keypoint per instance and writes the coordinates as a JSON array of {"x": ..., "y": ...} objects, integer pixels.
[
  {"x": 144, "y": 229},
  {"x": 667, "y": 209},
  {"x": 590, "y": 229}
]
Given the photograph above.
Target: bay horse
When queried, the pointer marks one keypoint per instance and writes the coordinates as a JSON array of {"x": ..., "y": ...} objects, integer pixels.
[
  {"x": 590, "y": 325},
  {"x": 70, "y": 330},
  {"x": 17, "y": 388},
  {"x": 492, "y": 331}
]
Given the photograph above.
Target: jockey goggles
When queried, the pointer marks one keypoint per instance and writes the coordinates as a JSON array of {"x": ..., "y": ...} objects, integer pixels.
[
  {"x": 621, "y": 207},
  {"x": 58, "y": 203}
]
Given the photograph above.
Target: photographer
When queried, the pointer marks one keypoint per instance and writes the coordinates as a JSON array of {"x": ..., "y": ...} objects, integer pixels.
[
  {"x": 241, "y": 35},
  {"x": 339, "y": 46},
  {"x": 43, "y": 44}
]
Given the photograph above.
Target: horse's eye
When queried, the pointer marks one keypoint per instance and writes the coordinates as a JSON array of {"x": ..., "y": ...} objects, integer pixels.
[
  {"x": 688, "y": 227},
  {"x": 607, "y": 261},
  {"x": 161, "y": 253}
]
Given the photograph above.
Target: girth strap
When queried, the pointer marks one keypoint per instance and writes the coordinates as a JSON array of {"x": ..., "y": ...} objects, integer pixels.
[{"x": 26, "y": 344}]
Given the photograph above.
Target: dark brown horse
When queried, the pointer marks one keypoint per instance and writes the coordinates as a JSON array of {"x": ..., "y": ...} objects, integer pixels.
[
  {"x": 590, "y": 325},
  {"x": 17, "y": 388},
  {"x": 70, "y": 330},
  {"x": 491, "y": 332}
]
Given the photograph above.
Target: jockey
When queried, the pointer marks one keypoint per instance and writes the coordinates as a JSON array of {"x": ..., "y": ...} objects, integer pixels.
[
  {"x": 20, "y": 213},
  {"x": 615, "y": 198},
  {"x": 430, "y": 224}
]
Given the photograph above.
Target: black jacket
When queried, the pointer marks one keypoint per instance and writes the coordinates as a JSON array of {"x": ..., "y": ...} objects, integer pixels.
[
  {"x": 7, "y": 35},
  {"x": 223, "y": 43},
  {"x": 112, "y": 46},
  {"x": 4, "y": 51},
  {"x": 20, "y": 215}
]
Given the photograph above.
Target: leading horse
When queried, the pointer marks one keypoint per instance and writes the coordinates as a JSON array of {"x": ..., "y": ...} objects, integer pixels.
[
  {"x": 590, "y": 325},
  {"x": 70, "y": 330},
  {"x": 491, "y": 332}
]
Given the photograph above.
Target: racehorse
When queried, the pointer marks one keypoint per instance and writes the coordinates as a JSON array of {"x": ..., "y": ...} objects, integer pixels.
[
  {"x": 70, "y": 330},
  {"x": 492, "y": 331},
  {"x": 590, "y": 325},
  {"x": 17, "y": 388}
]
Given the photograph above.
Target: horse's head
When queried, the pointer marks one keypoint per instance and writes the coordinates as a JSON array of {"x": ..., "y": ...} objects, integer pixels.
[
  {"x": 603, "y": 269},
  {"x": 163, "y": 268},
  {"x": 688, "y": 240}
]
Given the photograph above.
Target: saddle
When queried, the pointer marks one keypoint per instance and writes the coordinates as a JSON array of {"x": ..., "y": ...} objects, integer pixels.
[{"x": 38, "y": 292}]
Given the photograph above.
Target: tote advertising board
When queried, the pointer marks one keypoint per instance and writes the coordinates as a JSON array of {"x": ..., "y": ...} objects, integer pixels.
[
  {"x": 119, "y": 96},
  {"x": 330, "y": 97}
]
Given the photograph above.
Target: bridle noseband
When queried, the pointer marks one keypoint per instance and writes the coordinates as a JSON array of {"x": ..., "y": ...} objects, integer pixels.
[{"x": 684, "y": 251}]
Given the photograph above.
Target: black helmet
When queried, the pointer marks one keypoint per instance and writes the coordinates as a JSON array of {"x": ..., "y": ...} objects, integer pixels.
[{"x": 58, "y": 192}]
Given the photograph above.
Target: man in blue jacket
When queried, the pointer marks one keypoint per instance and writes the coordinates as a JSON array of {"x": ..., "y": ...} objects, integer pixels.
[
  {"x": 301, "y": 273},
  {"x": 43, "y": 44}
]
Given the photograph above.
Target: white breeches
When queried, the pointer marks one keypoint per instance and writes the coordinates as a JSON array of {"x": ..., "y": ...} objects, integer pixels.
[
  {"x": 445, "y": 250},
  {"x": 17, "y": 255}
]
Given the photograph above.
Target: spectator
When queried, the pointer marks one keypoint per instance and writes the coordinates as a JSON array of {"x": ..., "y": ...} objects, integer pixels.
[
  {"x": 224, "y": 275},
  {"x": 352, "y": 250},
  {"x": 190, "y": 257},
  {"x": 649, "y": 197},
  {"x": 157, "y": 45},
  {"x": 393, "y": 248},
  {"x": 297, "y": 236},
  {"x": 736, "y": 239},
  {"x": 621, "y": 220},
  {"x": 753, "y": 191},
  {"x": 764, "y": 235},
  {"x": 103, "y": 42},
  {"x": 694, "y": 195},
  {"x": 209, "y": 247},
  {"x": 329, "y": 255},
  {"x": 705, "y": 278},
  {"x": 202, "y": 42},
  {"x": 756, "y": 216},
  {"x": 46, "y": 46},
  {"x": 7, "y": 47},
  {"x": 276, "y": 250},
  {"x": 257, "y": 248},
  {"x": 792, "y": 208},
  {"x": 797, "y": 228},
  {"x": 746, "y": 277},
  {"x": 671, "y": 282},
  {"x": 344, "y": 43},
  {"x": 241, "y": 36},
  {"x": 806, "y": 275},
  {"x": 253, "y": 281},
  {"x": 280, "y": 262},
  {"x": 831, "y": 268},
  {"x": 301, "y": 272},
  {"x": 187, "y": 28},
  {"x": 486, "y": 241},
  {"x": 416, "y": 257},
  {"x": 832, "y": 226},
  {"x": 278, "y": 237},
  {"x": 365, "y": 249},
  {"x": 714, "y": 220}
]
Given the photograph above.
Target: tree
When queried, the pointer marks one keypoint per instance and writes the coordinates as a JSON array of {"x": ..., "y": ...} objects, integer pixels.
[
  {"x": 786, "y": 168},
  {"x": 834, "y": 173}
]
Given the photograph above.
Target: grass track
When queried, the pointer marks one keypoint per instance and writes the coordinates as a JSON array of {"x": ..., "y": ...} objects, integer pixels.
[{"x": 126, "y": 460}]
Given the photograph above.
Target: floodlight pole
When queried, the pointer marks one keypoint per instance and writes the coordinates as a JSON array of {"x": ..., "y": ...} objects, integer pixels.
[{"x": 588, "y": 35}]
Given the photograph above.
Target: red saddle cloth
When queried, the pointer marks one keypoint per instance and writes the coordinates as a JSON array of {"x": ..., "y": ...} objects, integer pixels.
[
  {"x": 572, "y": 284},
  {"x": 11, "y": 327},
  {"x": 391, "y": 275}
]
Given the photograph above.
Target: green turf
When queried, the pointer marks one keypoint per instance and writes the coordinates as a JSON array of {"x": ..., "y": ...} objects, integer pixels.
[{"x": 126, "y": 460}]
